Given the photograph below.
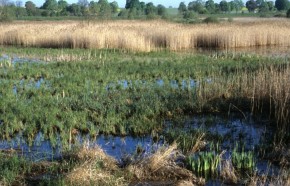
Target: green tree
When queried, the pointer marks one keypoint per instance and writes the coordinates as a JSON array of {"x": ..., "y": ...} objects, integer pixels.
[
  {"x": 94, "y": 8},
  {"x": 74, "y": 9},
  {"x": 62, "y": 6},
  {"x": 217, "y": 8},
  {"x": 150, "y": 9},
  {"x": 30, "y": 8},
  {"x": 6, "y": 11},
  {"x": 288, "y": 13},
  {"x": 182, "y": 8},
  {"x": 105, "y": 9},
  {"x": 264, "y": 8},
  {"x": 251, "y": 5},
  {"x": 142, "y": 6},
  {"x": 84, "y": 4},
  {"x": 50, "y": 5},
  {"x": 124, "y": 13},
  {"x": 136, "y": 8},
  {"x": 259, "y": 2},
  {"x": 197, "y": 6},
  {"x": 224, "y": 6},
  {"x": 133, "y": 4},
  {"x": 161, "y": 10},
  {"x": 189, "y": 15},
  {"x": 238, "y": 5},
  {"x": 231, "y": 5},
  {"x": 19, "y": 10},
  {"x": 282, "y": 4},
  {"x": 271, "y": 5},
  {"x": 210, "y": 6},
  {"x": 114, "y": 7}
]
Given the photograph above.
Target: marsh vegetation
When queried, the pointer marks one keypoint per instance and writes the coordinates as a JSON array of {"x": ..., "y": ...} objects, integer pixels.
[{"x": 115, "y": 87}]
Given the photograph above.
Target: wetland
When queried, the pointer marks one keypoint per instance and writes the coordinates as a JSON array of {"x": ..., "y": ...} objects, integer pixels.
[{"x": 120, "y": 117}]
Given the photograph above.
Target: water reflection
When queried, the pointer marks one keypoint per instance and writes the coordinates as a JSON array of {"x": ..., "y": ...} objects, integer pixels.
[
  {"x": 117, "y": 147},
  {"x": 13, "y": 59},
  {"x": 41, "y": 149},
  {"x": 231, "y": 130}
]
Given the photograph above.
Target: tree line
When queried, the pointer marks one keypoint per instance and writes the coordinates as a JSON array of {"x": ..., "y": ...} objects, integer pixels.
[
  {"x": 99, "y": 9},
  {"x": 133, "y": 8},
  {"x": 209, "y": 6}
]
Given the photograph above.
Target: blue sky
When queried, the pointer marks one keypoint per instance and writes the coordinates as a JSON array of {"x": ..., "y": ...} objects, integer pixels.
[{"x": 122, "y": 3}]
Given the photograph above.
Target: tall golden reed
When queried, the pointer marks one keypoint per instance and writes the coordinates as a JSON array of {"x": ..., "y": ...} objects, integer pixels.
[
  {"x": 145, "y": 35},
  {"x": 267, "y": 89}
]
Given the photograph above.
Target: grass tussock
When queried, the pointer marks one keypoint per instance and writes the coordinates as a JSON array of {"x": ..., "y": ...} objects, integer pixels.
[
  {"x": 145, "y": 35},
  {"x": 282, "y": 179},
  {"x": 161, "y": 166},
  {"x": 228, "y": 173},
  {"x": 95, "y": 168}
]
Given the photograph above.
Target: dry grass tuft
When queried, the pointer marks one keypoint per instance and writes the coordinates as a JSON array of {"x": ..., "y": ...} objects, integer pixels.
[
  {"x": 282, "y": 179},
  {"x": 184, "y": 183},
  {"x": 228, "y": 172},
  {"x": 161, "y": 166},
  {"x": 199, "y": 144},
  {"x": 87, "y": 174},
  {"x": 95, "y": 168},
  {"x": 88, "y": 154}
]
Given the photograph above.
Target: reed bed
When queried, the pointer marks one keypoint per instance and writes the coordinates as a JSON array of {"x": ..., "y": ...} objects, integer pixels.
[
  {"x": 145, "y": 35},
  {"x": 263, "y": 91}
]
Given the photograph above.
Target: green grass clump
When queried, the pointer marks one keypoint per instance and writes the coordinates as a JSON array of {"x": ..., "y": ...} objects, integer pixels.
[
  {"x": 12, "y": 169},
  {"x": 243, "y": 160},
  {"x": 204, "y": 162}
]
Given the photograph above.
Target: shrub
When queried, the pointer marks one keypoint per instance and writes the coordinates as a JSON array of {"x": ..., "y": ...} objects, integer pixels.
[
  {"x": 6, "y": 14},
  {"x": 265, "y": 15},
  {"x": 288, "y": 13},
  {"x": 279, "y": 14},
  {"x": 211, "y": 20},
  {"x": 230, "y": 19},
  {"x": 189, "y": 15}
]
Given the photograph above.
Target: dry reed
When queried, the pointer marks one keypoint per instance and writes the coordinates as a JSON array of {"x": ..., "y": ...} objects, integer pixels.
[
  {"x": 145, "y": 35},
  {"x": 87, "y": 172},
  {"x": 161, "y": 166},
  {"x": 265, "y": 90},
  {"x": 228, "y": 172}
]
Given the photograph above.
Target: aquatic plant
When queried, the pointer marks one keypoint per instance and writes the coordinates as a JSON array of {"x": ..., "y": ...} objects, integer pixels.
[
  {"x": 243, "y": 160},
  {"x": 204, "y": 162}
]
